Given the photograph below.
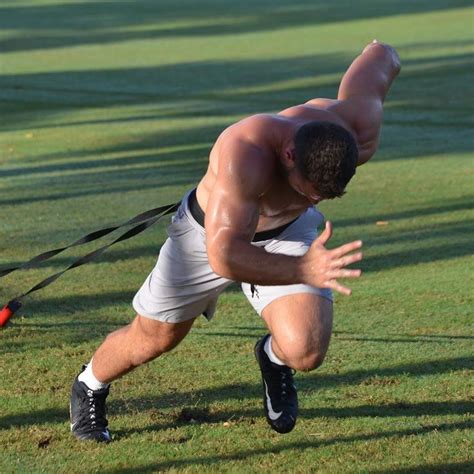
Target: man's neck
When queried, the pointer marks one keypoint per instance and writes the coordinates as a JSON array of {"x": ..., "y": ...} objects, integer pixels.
[{"x": 282, "y": 136}]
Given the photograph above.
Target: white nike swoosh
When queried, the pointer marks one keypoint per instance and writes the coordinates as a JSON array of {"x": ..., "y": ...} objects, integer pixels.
[
  {"x": 272, "y": 414},
  {"x": 73, "y": 425},
  {"x": 106, "y": 434}
]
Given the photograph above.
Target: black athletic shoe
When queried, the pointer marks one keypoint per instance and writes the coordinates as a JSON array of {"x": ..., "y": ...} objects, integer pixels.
[
  {"x": 88, "y": 410},
  {"x": 280, "y": 400}
]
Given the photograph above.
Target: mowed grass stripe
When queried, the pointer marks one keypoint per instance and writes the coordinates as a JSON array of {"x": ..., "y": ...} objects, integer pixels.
[{"x": 111, "y": 109}]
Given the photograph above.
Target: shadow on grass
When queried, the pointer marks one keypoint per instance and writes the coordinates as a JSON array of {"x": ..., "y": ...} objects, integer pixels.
[
  {"x": 75, "y": 24},
  {"x": 203, "y": 415},
  {"x": 184, "y": 413},
  {"x": 400, "y": 409},
  {"x": 113, "y": 182},
  {"x": 48, "y": 415},
  {"x": 115, "y": 254},
  {"x": 241, "y": 87},
  {"x": 162, "y": 162},
  {"x": 457, "y": 234},
  {"x": 73, "y": 324},
  {"x": 234, "y": 86},
  {"x": 177, "y": 399},
  {"x": 416, "y": 256},
  {"x": 463, "y": 203},
  {"x": 182, "y": 416},
  {"x": 432, "y": 231},
  {"x": 299, "y": 445}
]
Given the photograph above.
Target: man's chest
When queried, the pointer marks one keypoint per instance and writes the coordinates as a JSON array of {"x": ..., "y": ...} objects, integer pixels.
[{"x": 281, "y": 206}]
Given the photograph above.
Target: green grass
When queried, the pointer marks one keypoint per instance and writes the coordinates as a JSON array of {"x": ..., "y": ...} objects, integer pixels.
[{"x": 110, "y": 108}]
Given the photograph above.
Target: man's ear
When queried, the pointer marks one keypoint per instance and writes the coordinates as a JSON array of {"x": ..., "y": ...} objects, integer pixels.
[{"x": 289, "y": 158}]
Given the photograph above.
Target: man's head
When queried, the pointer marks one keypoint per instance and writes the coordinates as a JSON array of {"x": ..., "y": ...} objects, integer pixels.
[{"x": 325, "y": 155}]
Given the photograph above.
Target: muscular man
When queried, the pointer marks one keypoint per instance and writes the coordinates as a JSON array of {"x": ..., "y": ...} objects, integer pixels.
[{"x": 252, "y": 219}]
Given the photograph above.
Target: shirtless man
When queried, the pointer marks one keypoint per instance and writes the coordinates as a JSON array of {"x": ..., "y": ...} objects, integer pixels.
[{"x": 252, "y": 219}]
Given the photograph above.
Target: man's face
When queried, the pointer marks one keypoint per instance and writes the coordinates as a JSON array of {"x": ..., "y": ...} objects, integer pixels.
[{"x": 303, "y": 186}]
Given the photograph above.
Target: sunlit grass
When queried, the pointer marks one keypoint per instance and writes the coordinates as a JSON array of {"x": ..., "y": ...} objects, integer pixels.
[{"x": 110, "y": 109}]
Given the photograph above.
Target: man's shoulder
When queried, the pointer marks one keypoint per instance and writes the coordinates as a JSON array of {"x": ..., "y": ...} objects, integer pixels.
[
  {"x": 311, "y": 107},
  {"x": 329, "y": 110},
  {"x": 253, "y": 125},
  {"x": 247, "y": 149},
  {"x": 256, "y": 132}
]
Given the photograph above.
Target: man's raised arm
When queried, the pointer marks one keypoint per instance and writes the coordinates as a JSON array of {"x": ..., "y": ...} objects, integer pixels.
[{"x": 362, "y": 92}]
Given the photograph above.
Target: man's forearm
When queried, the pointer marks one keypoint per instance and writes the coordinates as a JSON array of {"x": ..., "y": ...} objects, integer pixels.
[
  {"x": 237, "y": 259},
  {"x": 244, "y": 262}
]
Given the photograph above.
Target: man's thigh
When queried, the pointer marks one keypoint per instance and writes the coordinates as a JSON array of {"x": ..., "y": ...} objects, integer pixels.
[
  {"x": 300, "y": 323},
  {"x": 294, "y": 241},
  {"x": 182, "y": 285}
]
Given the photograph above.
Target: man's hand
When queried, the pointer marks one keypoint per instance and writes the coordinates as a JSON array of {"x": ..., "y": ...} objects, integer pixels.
[
  {"x": 321, "y": 267},
  {"x": 375, "y": 47}
]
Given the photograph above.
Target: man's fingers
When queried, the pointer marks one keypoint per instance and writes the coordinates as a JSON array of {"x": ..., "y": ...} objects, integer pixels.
[
  {"x": 333, "y": 284},
  {"x": 344, "y": 273},
  {"x": 347, "y": 260},
  {"x": 346, "y": 248},
  {"x": 326, "y": 234}
]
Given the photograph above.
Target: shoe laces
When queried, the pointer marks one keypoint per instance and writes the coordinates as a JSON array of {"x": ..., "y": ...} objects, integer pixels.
[
  {"x": 286, "y": 382},
  {"x": 94, "y": 410}
]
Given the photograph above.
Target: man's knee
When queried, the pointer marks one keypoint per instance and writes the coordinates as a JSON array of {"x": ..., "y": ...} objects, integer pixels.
[
  {"x": 301, "y": 327},
  {"x": 312, "y": 361},
  {"x": 305, "y": 360}
]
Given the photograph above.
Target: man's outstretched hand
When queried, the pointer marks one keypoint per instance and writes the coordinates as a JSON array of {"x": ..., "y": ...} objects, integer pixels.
[{"x": 322, "y": 267}]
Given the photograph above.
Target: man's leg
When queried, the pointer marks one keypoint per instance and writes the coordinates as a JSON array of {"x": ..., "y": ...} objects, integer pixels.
[
  {"x": 181, "y": 286},
  {"x": 300, "y": 326},
  {"x": 123, "y": 350},
  {"x": 300, "y": 329},
  {"x": 141, "y": 341}
]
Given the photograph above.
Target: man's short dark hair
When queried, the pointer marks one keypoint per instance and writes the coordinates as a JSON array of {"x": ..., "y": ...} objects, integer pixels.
[{"x": 326, "y": 155}]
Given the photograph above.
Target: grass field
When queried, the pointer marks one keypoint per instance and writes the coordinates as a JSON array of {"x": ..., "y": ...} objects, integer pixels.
[{"x": 110, "y": 108}]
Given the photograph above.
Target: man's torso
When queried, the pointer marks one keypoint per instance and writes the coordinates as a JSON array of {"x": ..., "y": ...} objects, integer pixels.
[{"x": 280, "y": 203}]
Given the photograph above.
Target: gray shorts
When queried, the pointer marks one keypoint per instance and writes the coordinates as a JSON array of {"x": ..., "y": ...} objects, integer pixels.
[{"x": 182, "y": 284}]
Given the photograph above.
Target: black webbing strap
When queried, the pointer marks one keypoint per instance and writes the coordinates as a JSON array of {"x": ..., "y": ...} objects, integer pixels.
[
  {"x": 143, "y": 217},
  {"x": 146, "y": 220},
  {"x": 97, "y": 253}
]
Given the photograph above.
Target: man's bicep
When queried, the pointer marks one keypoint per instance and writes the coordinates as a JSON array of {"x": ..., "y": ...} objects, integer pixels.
[
  {"x": 231, "y": 212},
  {"x": 231, "y": 218},
  {"x": 364, "y": 116},
  {"x": 242, "y": 177},
  {"x": 367, "y": 82}
]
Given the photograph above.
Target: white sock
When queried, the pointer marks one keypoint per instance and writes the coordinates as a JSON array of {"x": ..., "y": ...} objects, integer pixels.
[
  {"x": 269, "y": 351},
  {"x": 88, "y": 377}
]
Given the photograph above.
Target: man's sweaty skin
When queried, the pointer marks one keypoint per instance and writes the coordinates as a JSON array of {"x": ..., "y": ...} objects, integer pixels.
[{"x": 252, "y": 184}]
